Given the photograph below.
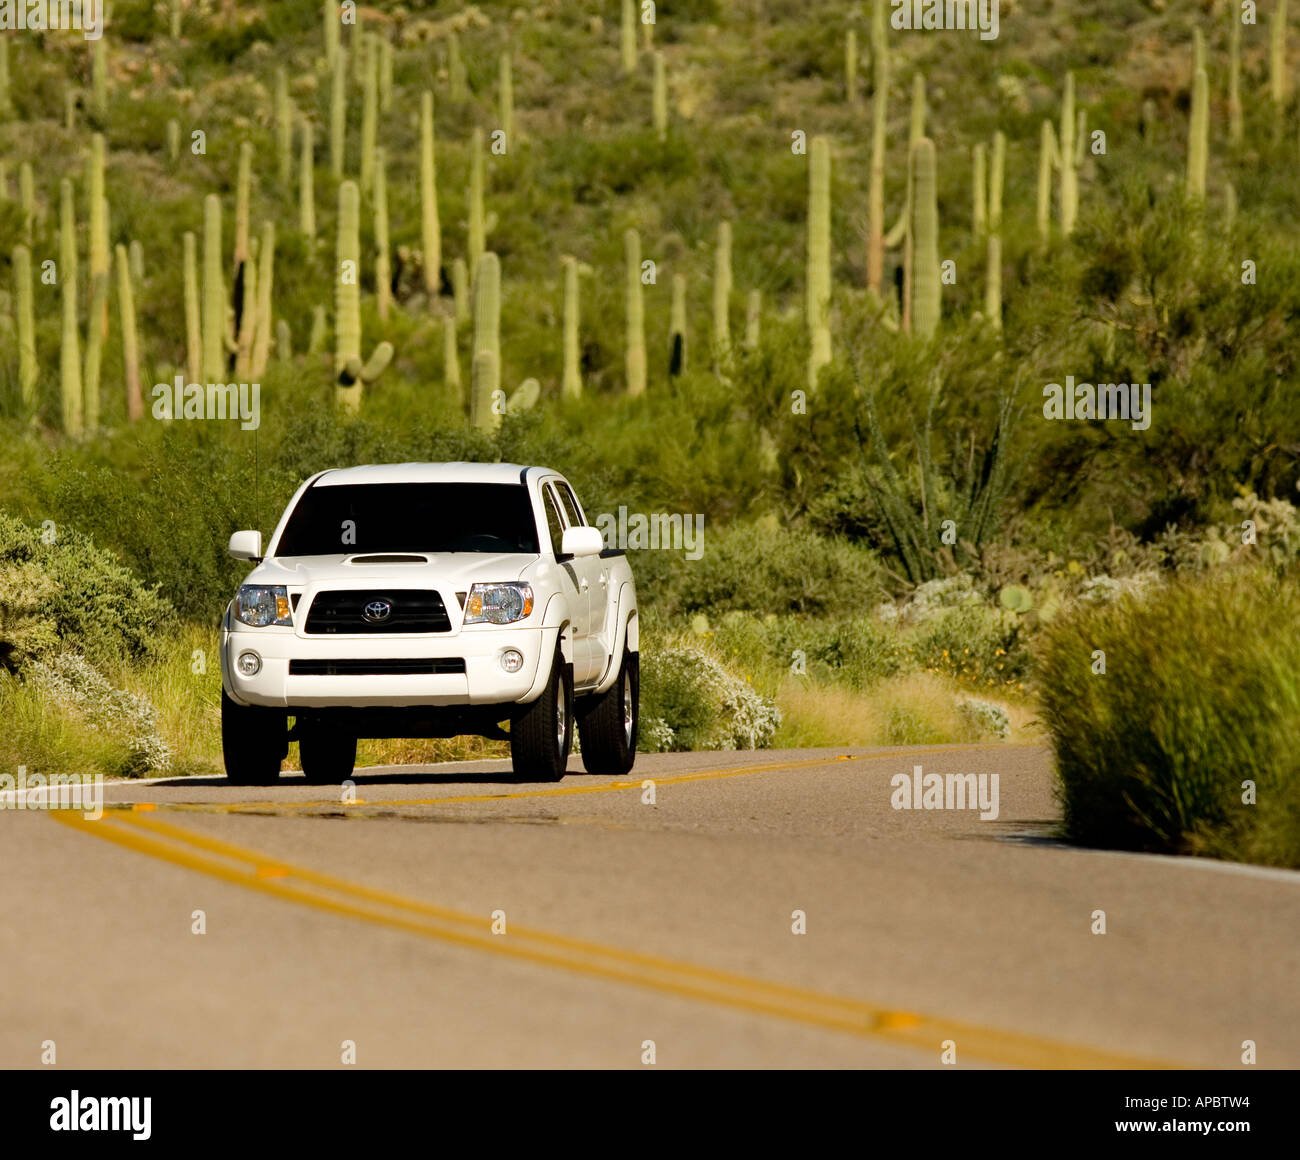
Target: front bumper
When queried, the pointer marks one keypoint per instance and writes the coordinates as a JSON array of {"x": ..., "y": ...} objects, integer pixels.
[{"x": 483, "y": 682}]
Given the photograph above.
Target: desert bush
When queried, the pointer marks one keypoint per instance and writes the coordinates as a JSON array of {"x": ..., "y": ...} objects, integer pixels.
[{"x": 1199, "y": 696}]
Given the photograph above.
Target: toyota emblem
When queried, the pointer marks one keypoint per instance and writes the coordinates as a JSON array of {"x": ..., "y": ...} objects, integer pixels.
[{"x": 376, "y": 611}]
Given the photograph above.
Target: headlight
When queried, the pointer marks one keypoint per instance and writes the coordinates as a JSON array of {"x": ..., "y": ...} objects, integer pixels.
[
  {"x": 260, "y": 606},
  {"x": 498, "y": 603}
]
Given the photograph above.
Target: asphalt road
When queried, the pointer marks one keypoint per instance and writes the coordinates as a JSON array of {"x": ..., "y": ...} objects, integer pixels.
[{"x": 621, "y": 922}]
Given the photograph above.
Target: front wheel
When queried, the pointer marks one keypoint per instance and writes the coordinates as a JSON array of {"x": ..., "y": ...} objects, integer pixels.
[
  {"x": 327, "y": 755},
  {"x": 254, "y": 741},
  {"x": 542, "y": 731},
  {"x": 608, "y": 722}
]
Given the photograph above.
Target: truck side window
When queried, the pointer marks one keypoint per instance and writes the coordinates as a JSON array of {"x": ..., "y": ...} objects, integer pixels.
[
  {"x": 553, "y": 522},
  {"x": 570, "y": 502}
]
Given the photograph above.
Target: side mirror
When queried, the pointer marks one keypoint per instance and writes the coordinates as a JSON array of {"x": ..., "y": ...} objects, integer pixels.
[
  {"x": 246, "y": 546},
  {"x": 580, "y": 542}
]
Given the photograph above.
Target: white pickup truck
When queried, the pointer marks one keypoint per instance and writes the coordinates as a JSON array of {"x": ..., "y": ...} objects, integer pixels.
[{"x": 430, "y": 600}]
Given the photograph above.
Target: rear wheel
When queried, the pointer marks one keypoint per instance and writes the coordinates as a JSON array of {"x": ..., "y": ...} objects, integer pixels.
[
  {"x": 542, "y": 731},
  {"x": 327, "y": 755},
  {"x": 607, "y": 722},
  {"x": 254, "y": 741}
]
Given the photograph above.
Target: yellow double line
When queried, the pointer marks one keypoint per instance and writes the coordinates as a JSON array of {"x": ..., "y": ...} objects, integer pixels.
[{"x": 137, "y": 830}]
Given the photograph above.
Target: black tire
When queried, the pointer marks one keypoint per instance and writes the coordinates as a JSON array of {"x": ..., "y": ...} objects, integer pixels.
[
  {"x": 608, "y": 722},
  {"x": 541, "y": 733},
  {"x": 327, "y": 755},
  {"x": 254, "y": 741}
]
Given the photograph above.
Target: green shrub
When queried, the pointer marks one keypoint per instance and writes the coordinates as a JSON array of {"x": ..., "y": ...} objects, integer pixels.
[
  {"x": 73, "y": 593},
  {"x": 1201, "y": 693}
]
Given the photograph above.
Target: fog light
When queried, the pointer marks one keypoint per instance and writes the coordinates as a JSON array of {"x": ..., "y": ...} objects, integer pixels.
[
  {"x": 249, "y": 664},
  {"x": 512, "y": 660}
]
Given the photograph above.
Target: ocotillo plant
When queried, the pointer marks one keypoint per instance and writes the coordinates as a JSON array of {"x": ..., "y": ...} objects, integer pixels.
[
  {"x": 1068, "y": 161},
  {"x": 352, "y": 373},
  {"x": 636, "y": 360},
  {"x": 130, "y": 351},
  {"x": 27, "y": 359},
  {"x": 94, "y": 352},
  {"x": 338, "y": 115},
  {"x": 265, "y": 284},
  {"x": 457, "y": 83},
  {"x": 851, "y": 66},
  {"x": 753, "y": 319},
  {"x": 627, "y": 37},
  {"x": 476, "y": 239},
  {"x": 430, "y": 231},
  {"x": 307, "y": 183},
  {"x": 1235, "y": 130},
  {"x": 506, "y": 98},
  {"x": 925, "y": 270},
  {"x": 283, "y": 125},
  {"x": 677, "y": 327},
  {"x": 818, "y": 281},
  {"x": 383, "y": 268},
  {"x": 485, "y": 382},
  {"x": 70, "y": 348},
  {"x": 660, "y": 96},
  {"x": 487, "y": 307},
  {"x": 193, "y": 329},
  {"x": 1198, "y": 145},
  {"x": 214, "y": 294},
  {"x": 722, "y": 291},
  {"x": 571, "y": 383},
  {"x": 369, "y": 112},
  {"x": 451, "y": 359},
  {"x": 993, "y": 277}
]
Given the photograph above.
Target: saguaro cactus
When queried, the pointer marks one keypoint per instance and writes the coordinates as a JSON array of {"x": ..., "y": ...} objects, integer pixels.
[
  {"x": 385, "y": 74},
  {"x": 27, "y": 360},
  {"x": 627, "y": 38},
  {"x": 817, "y": 306},
  {"x": 265, "y": 283},
  {"x": 451, "y": 359},
  {"x": 477, "y": 240},
  {"x": 487, "y": 306},
  {"x": 571, "y": 383},
  {"x": 1279, "y": 76},
  {"x": 369, "y": 112},
  {"x": 307, "y": 183},
  {"x": 722, "y": 290},
  {"x": 338, "y": 115},
  {"x": 1198, "y": 144},
  {"x": 460, "y": 290},
  {"x": 925, "y": 272},
  {"x": 94, "y": 351},
  {"x": 993, "y": 278},
  {"x": 485, "y": 382},
  {"x": 283, "y": 125},
  {"x": 214, "y": 294},
  {"x": 193, "y": 329},
  {"x": 753, "y": 319},
  {"x": 243, "y": 196},
  {"x": 457, "y": 83},
  {"x": 636, "y": 360},
  {"x": 70, "y": 348},
  {"x": 352, "y": 373},
  {"x": 1067, "y": 160},
  {"x": 98, "y": 221},
  {"x": 660, "y": 96},
  {"x": 130, "y": 351},
  {"x": 851, "y": 66},
  {"x": 246, "y": 289},
  {"x": 677, "y": 327},
  {"x": 506, "y": 97},
  {"x": 330, "y": 23},
  {"x": 1235, "y": 130},
  {"x": 979, "y": 188},
  {"x": 27, "y": 199},
  {"x": 383, "y": 269},
  {"x": 6, "y": 103},
  {"x": 99, "y": 78},
  {"x": 430, "y": 231},
  {"x": 1047, "y": 164},
  {"x": 876, "y": 192}
]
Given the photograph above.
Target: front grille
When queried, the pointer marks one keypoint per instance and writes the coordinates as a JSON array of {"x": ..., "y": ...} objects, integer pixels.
[
  {"x": 410, "y": 610},
  {"x": 427, "y": 666}
]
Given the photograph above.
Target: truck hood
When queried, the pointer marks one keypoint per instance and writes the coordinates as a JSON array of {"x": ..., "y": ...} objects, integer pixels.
[{"x": 446, "y": 570}]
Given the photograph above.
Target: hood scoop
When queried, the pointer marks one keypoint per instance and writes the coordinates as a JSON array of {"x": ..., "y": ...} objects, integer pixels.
[{"x": 388, "y": 559}]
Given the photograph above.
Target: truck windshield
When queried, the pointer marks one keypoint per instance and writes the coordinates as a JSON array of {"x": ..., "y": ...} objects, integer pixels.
[{"x": 410, "y": 517}]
